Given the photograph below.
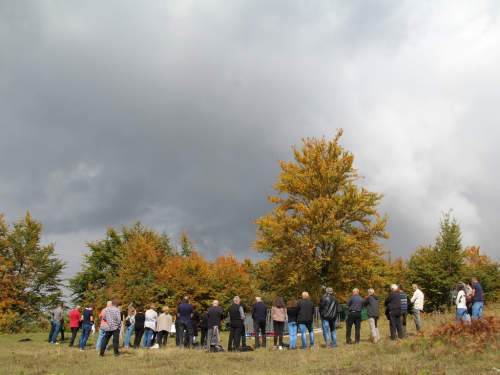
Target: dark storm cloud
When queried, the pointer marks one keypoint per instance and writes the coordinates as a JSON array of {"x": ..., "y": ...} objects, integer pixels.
[{"x": 175, "y": 113}]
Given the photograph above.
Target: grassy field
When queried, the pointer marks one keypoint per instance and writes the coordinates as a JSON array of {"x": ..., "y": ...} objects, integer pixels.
[{"x": 414, "y": 355}]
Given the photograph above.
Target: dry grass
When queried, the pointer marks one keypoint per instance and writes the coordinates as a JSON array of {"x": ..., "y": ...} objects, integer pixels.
[{"x": 435, "y": 353}]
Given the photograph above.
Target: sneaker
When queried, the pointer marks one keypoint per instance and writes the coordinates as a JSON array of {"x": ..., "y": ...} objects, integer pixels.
[
  {"x": 117, "y": 355},
  {"x": 280, "y": 347}
]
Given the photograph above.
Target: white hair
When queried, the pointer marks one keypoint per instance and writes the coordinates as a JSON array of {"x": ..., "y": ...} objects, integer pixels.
[
  {"x": 394, "y": 287},
  {"x": 215, "y": 303}
]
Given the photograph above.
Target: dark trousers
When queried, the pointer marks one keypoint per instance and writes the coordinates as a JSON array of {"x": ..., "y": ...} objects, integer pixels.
[
  {"x": 203, "y": 340},
  {"x": 189, "y": 329},
  {"x": 395, "y": 323},
  {"x": 404, "y": 315},
  {"x": 162, "y": 338},
  {"x": 74, "y": 331},
  {"x": 354, "y": 317},
  {"x": 116, "y": 341},
  {"x": 260, "y": 326},
  {"x": 138, "y": 336},
  {"x": 278, "y": 332},
  {"x": 234, "y": 335}
]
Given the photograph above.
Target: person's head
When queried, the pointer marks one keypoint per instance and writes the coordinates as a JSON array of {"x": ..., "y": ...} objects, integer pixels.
[
  {"x": 109, "y": 303},
  {"x": 115, "y": 302},
  {"x": 236, "y": 299},
  {"x": 355, "y": 291},
  {"x": 371, "y": 292},
  {"x": 292, "y": 303},
  {"x": 140, "y": 309},
  {"x": 77, "y": 307},
  {"x": 460, "y": 286},
  {"x": 185, "y": 299},
  {"x": 215, "y": 303},
  {"x": 165, "y": 309},
  {"x": 131, "y": 310},
  {"x": 194, "y": 305},
  {"x": 152, "y": 306},
  {"x": 329, "y": 291},
  {"x": 305, "y": 295},
  {"x": 258, "y": 299},
  {"x": 394, "y": 288},
  {"x": 415, "y": 286},
  {"x": 90, "y": 306},
  {"x": 400, "y": 287},
  {"x": 58, "y": 305},
  {"x": 279, "y": 303},
  {"x": 475, "y": 279}
]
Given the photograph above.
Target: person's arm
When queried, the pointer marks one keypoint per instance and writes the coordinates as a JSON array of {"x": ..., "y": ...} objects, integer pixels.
[
  {"x": 473, "y": 293},
  {"x": 412, "y": 299}
]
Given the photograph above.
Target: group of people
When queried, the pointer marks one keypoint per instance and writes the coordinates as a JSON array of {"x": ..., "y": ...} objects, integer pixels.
[{"x": 298, "y": 314}]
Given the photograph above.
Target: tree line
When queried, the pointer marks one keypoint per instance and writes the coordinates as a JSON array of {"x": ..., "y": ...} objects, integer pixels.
[{"x": 324, "y": 231}]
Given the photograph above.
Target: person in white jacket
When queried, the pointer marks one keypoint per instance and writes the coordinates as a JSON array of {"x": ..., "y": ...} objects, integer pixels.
[
  {"x": 418, "y": 307},
  {"x": 149, "y": 326}
]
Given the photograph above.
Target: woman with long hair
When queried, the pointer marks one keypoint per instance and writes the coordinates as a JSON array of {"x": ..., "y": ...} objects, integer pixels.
[
  {"x": 292, "y": 313},
  {"x": 130, "y": 324},
  {"x": 461, "y": 303},
  {"x": 278, "y": 314}
]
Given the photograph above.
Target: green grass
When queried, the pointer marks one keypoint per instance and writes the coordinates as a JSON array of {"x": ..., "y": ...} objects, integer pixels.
[{"x": 414, "y": 355}]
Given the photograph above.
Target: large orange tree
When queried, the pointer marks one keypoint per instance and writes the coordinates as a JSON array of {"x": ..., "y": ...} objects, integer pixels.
[{"x": 324, "y": 230}]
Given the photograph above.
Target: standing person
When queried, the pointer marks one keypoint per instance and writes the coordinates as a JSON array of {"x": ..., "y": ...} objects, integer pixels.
[
  {"x": 243, "y": 328},
  {"x": 214, "y": 321},
  {"x": 278, "y": 315},
  {"x": 58, "y": 321},
  {"x": 184, "y": 316},
  {"x": 130, "y": 324},
  {"x": 151, "y": 317},
  {"x": 477, "y": 299},
  {"x": 140, "y": 319},
  {"x": 291, "y": 312},
  {"x": 102, "y": 329},
  {"x": 404, "y": 309},
  {"x": 204, "y": 328},
  {"x": 393, "y": 304},
  {"x": 355, "y": 306},
  {"x": 305, "y": 316},
  {"x": 112, "y": 316},
  {"x": 372, "y": 304},
  {"x": 259, "y": 316},
  {"x": 328, "y": 310},
  {"x": 461, "y": 303},
  {"x": 74, "y": 323},
  {"x": 88, "y": 320},
  {"x": 164, "y": 326},
  {"x": 236, "y": 317},
  {"x": 418, "y": 307},
  {"x": 195, "y": 321}
]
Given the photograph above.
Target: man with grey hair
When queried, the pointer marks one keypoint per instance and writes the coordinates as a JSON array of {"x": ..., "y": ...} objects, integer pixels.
[
  {"x": 418, "y": 307},
  {"x": 236, "y": 318},
  {"x": 329, "y": 309},
  {"x": 259, "y": 315},
  {"x": 214, "y": 323},
  {"x": 393, "y": 304},
  {"x": 355, "y": 306},
  {"x": 372, "y": 304},
  {"x": 305, "y": 317}
]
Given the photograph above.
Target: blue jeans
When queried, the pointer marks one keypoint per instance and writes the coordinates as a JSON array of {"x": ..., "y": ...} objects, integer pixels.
[
  {"x": 292, "y": 332},
  {"x": 84, "y": 336},
  {"x": 477, "y": 310},
  {"x": 148, "y": 335},
  {"x": 128, "y": 335},
  {"x": 303, "y": 328},
  {"x": 329, "y": 328},
  {"x": 57, "y": 327},
  {"x": 102, "y": 333},
  {"x": 461, "y": 314}
]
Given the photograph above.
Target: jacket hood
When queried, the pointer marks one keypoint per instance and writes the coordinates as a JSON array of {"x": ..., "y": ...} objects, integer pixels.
[{"x": 374, "y": 296}]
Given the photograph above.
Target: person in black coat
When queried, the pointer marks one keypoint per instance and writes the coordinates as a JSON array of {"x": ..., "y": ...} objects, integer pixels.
[
  {"x": 204, "y": 328},
  {"x": 393, "y": 305}
]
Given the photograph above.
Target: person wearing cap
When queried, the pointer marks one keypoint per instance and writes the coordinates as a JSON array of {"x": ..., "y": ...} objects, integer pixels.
[
  {"x": 329, "y": 309},
  {"x": 372, "y": 304},
  {"x": 354, "y": 305}
]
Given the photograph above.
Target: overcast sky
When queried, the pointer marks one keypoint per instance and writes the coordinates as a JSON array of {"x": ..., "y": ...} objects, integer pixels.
[{"x": 175, "y": 113}]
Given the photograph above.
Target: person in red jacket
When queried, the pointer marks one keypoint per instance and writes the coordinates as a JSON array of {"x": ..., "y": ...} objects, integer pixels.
[{"x": 74, "y": 323}]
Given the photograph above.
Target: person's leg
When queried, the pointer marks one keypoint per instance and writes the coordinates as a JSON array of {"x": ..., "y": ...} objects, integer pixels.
[
  {"x": 325, "y": 325},
  {"x": 105, "y": 341},
  {"x": 477, "y": 310},
  {"x": 377, "y": 333},
  {"x": 357, "y": 328},
  {"x": 294, "y": 334},
  {"x": 231, "y": 337},
  {"x": 333, "y": 333},
  {"x": 256, "y": 328},
  {"x": 262, "y": 326},
  {"x": 279, "y": 330},
  {"x": 74, "y": 332},
  {"x": 275, "y": 325},
  {"x": 116, "y": 340},
  {"x": 56, "y": 332},
  {"x": 392, "y": 325},
  {"x": 102, "y": 333},
  {"x": 210, "y": 333},
  {"x": 52, "y": 329},
  {"x": 190, "y": 334},
  {"x": 161, "y": 334},
  {"x": 62, "y": 331},
  {"x": 398, "y": 324},
  {"x": 203, "y": 339},
  {"x": 128, "y": 335},
  {"x": 138, "y": 337},
  {"x": 311, "y": 334},
  {"x": 303, "y": 335},
  {"x": 237, "y": 334},
  {"x": 348, "y": 328},
  {"x": 84, "y": 336},
  {"x": 371, "y": 321},
  {"x": 416, "y": 317}
]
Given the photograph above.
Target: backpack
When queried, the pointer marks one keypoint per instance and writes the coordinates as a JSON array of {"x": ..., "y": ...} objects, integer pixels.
[{"x": 216, "y": 349}]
